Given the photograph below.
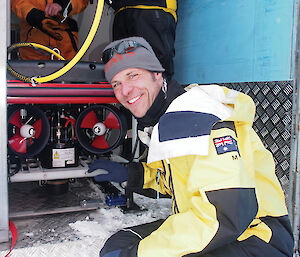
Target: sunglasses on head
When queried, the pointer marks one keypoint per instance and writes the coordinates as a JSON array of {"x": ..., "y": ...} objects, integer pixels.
[{"x": 121, "y": 48}]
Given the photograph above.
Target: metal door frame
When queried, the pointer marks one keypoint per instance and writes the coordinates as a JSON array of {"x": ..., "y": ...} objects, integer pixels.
[
  {"x": 5, "y": 14},
  {"x": 294, "y": 173}
]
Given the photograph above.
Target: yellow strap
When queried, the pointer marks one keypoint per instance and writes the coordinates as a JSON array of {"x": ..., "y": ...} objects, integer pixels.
[{"x": 150, "y": 7}]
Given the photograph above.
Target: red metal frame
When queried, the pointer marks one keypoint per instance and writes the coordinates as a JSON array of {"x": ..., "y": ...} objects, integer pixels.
[{"x": 19, "y": 92}]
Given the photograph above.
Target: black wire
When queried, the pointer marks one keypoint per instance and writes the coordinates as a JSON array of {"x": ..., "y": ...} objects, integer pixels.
[
  {"x": 134, "y": 149},
  {"x": 13, "y": 160}
]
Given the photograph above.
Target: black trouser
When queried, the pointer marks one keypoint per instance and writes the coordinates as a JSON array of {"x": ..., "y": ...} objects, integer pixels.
[
  {"x": 125, "y": 244},
  {"x": 156, "y": 26},
  {"x": 251, "y": 247}
]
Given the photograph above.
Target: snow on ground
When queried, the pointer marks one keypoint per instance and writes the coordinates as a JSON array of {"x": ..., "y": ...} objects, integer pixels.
[{"x": 93, "y": 231}]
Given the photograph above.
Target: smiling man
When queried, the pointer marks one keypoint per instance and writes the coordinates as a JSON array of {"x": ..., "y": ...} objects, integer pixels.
[
  {"x": 137, "y": 75},
  {"x": 204, "y": 153},
  {"x": 136, "y": 89}
]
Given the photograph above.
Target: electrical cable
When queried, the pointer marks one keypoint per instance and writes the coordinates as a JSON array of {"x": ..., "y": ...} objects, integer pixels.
[
  {"x": 82, "y": 50},
  {"x": 35, "y": 46},
  {"x": 14, "y": 165},
  {"x": 72, "y": 62}
]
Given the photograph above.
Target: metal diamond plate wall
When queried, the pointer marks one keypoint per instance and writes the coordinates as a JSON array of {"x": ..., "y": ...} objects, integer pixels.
[{"x": 273, "y": 119}]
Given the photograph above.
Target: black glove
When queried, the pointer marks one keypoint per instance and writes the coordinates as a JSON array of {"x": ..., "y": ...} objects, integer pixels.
[
  {"x": 116, "y": 172},
  {"x": 51, "y": 27}
]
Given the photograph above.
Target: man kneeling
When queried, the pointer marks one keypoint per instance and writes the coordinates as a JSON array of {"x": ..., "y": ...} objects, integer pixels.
[{"x": 203, "y": 151}]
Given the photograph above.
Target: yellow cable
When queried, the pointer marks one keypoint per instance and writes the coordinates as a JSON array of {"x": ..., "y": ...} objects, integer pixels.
[
  {"x": 34, "y": 45},
  {"x": 27, "y": 44},
  {"x": 82, "y": 50},
  {"x": 48, "y": 50}
]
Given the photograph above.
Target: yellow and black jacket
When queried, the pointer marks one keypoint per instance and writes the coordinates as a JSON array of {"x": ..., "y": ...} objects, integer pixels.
[
  {"x": 206, "y": 155},
  {"x": 28, "y": 33},
  {"x": 166, "y": 5}
]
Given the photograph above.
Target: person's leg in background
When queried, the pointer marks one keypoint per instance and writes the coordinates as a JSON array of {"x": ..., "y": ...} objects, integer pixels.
[{"x": 156, "y": 26}]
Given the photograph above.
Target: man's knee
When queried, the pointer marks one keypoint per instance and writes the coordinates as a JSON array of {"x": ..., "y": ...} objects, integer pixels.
[{"x": 123, "y": 242}]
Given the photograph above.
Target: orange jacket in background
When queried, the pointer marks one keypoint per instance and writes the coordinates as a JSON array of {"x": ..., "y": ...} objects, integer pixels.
[{"x": 67, "y": 48}]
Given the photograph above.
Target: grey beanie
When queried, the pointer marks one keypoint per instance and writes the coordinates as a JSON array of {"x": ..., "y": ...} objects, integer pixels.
[{"x": 140, "y": 57}]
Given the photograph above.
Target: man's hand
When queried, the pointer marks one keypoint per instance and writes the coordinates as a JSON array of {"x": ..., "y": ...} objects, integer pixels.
[
  {"x": 116, "y": 172},
  {"x": 52, "y": 9}
]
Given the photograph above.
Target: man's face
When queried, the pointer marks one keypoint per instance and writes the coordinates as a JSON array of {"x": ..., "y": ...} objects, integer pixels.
[{"x": 136, "y": 89}]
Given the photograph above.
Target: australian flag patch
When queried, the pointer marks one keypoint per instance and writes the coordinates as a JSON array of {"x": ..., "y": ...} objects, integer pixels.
[{"x": 225, "y": 144}]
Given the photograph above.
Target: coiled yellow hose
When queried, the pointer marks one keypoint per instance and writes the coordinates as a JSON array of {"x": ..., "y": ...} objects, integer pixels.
[
  {"x": 34, "y": 45},
  {"x": 75, "y": 59}
]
